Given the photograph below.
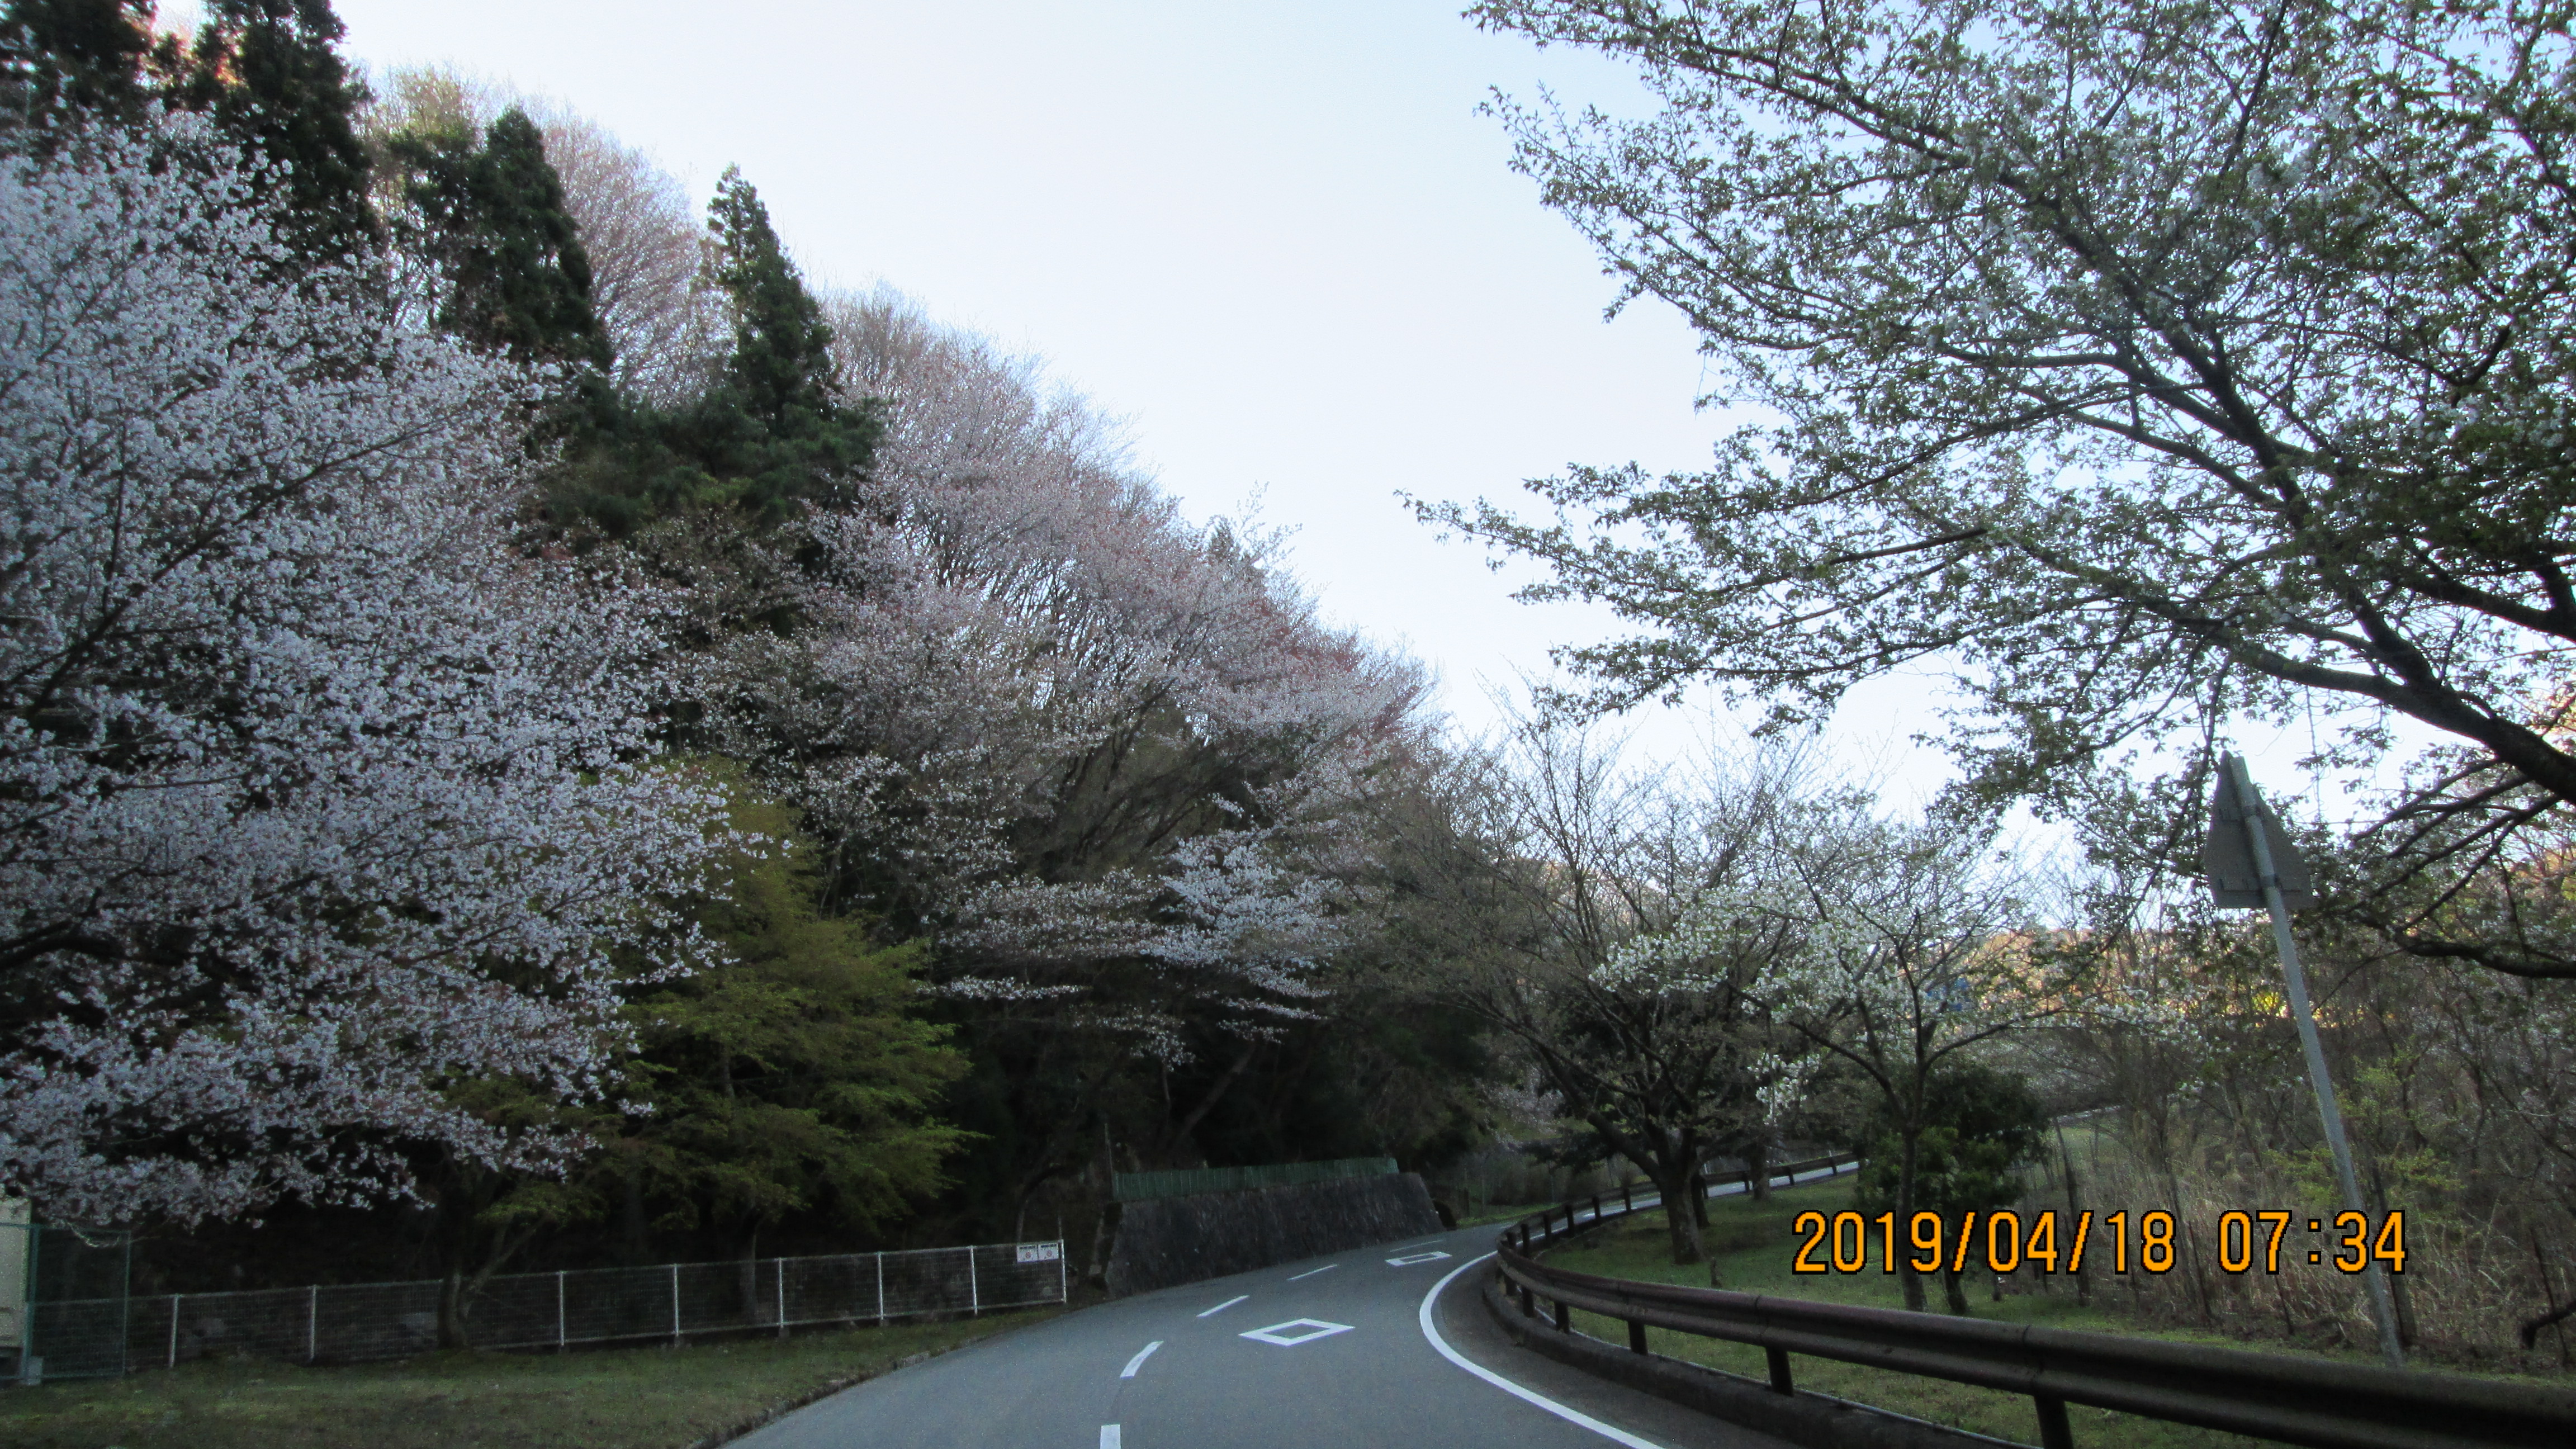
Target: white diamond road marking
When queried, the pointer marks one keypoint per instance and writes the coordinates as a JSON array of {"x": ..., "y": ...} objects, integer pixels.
[
  {"x": 1315, "y": 1328},
  {"x": 1409, "y": 1259}
]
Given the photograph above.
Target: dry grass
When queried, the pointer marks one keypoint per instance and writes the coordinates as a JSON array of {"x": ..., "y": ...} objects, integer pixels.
[{"x": 1752, "y": 1245}]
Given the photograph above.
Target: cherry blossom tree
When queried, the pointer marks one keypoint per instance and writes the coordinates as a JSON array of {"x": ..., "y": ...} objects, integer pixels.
[
  {"x": 1914, "y": 952},
  {"x": 1614, "y": 925},
  {"x": 1110, "y": 760},
  {"x": 314, "y": 798}
]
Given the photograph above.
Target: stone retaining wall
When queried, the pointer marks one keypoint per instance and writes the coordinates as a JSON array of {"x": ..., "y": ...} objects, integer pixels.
[{"x": 1166, "y": 1241}]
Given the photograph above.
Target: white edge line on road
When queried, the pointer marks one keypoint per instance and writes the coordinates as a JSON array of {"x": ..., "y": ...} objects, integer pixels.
[
  {"x": 1108, "y": 1436},
  {"x": 1571, "y": 1416},
  {"x": 1138, "y": 1361},
  {"x": 1311, "y": 1272},
  {"x": 1229, "y": 1303}
]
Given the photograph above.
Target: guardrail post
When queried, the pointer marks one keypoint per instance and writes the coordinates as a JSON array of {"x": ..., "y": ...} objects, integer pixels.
[
  {"x": 1779, "y": 1359},
  {"x": 1627, "y": 1203},
  {"x": 2054, "y": 1431},
  {"x": 1564, "y": 1317},
  {"x": 1636, "y": 1336},
  {"x": 1596, "y": 1207},
  {"x": 1528, "y": 1308}
]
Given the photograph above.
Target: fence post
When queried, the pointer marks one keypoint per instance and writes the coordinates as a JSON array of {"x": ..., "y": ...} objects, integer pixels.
[
  {"x": 779, "y": 1266},
  {"x": 313, "y": 1323},
  {"x": 560, "y": 1327},
  {"x": 675, "y": 1305},
  {"x": 2054, "y": 1431},
  {"x": 974, "y": 1290},
  {"x": 174, "y": 1330},
  {"x": 880, "y": 1290}
]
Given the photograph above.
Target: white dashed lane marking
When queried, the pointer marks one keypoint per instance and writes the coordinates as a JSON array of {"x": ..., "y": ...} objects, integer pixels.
[
  {"x": 1138, "y": 1361},
  {"x": 1311, "y": 1272},
  {"x": 1229, "y": 1303}
]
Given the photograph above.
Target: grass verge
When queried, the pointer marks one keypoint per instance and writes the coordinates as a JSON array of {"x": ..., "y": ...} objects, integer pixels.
[{"x": 626, "y": 1398}]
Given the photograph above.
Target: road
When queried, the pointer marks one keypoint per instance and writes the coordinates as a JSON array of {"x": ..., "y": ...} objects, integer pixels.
[{"x": 1387, "y": 1345}]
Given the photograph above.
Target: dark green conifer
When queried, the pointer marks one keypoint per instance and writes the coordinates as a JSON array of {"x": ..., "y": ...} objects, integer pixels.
[
  {"x": 781, "y": 371},
  {"x": 270, "y": 73},
  {"x": 771, "y": 433},
  {"x": 61, "y": 58},
  {"x": 518, "y": 279}
]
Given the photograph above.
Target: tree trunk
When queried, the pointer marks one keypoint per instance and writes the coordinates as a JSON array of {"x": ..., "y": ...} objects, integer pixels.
[
  {"x": 1096, "y": 1272},
  {"x": 1180, "y": 1133},
  {"x": 1956, "y": 1296},
  {"x": 2074, "y": 1212},
  {"x": 1907, "y": 1277},
  {"x": 451, "y": 1309},
  {"x": 1757, "y": 1169},
  {"x": 636, "y": 1244},
  {"x": 1677, "y": 1184}
]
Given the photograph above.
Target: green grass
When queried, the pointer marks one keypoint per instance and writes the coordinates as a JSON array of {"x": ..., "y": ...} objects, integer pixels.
[
  {"x": 1752, "y": 1247},
  {"x": 630, "y": 1398}
]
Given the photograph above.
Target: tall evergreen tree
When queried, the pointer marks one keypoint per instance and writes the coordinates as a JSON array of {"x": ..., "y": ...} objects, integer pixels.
[
  {"x": 781, "y": 371},
  {"x": 60, "y": 58},
  {"x": 518, "y": 278},
  {"x": 270, "y": 72},
  {"x": 771, "y": 433}
]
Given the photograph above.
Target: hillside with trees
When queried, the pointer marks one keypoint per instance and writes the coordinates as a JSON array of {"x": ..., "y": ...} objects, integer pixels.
[
  {"x": 523, "y": 704},
  {"x": 534, "y": 733}
]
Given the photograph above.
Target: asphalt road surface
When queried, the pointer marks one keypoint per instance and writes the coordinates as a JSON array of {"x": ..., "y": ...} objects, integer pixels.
[{"x": 1389, "y": 1345}]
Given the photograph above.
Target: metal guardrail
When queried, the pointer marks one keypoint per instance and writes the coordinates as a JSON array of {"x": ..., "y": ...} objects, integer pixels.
[{"x": 2311, "y": 1402}]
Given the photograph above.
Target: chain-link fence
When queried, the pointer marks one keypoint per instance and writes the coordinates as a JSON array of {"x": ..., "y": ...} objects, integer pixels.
[
  {"x": 350, "y": 1323},
  {"x": 45, "y": 1268}
]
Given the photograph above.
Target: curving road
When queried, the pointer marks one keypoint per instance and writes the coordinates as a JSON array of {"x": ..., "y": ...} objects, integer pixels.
[{"x": 1379, "y": 1346}]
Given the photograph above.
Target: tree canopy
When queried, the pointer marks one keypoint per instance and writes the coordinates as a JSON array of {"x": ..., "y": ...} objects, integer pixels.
[{"x": 2141, "y": 367}]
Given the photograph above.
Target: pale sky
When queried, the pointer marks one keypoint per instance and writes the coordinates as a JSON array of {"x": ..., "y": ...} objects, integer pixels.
[{"x": 1276, "y": 238}]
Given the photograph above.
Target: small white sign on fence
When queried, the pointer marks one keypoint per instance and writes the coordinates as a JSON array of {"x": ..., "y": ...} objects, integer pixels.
[{"x": 1042, "y": 1252}]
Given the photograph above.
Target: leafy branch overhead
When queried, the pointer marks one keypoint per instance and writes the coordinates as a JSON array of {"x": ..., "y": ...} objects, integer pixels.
[{"x": 2137, "y": 367}]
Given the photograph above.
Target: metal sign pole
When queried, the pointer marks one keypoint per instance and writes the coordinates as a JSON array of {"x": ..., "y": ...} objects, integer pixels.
[{"x": 2250, "y": 809}]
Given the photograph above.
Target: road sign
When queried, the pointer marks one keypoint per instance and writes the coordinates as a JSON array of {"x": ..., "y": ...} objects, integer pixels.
[
  {"x": 1042, "y": 1252},
  {"x": 2227, "y": 856},
  {"x": 2251, "y": 863}
]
